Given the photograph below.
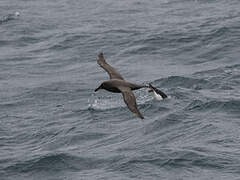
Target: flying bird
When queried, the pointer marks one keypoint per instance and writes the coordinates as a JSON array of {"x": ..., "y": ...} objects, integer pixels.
[{"x": 117, "y": 84}]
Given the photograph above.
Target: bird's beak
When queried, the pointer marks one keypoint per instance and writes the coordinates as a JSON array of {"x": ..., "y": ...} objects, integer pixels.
[{"x": 97, "y": 89}]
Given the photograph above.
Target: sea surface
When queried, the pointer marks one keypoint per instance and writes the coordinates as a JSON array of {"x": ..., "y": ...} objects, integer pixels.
[{"x": 54, "y": 127}]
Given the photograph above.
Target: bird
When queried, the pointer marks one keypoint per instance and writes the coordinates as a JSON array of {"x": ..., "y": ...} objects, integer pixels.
[{"x": 117, "y": 84}]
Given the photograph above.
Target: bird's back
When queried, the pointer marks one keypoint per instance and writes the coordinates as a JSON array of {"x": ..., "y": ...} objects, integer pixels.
[{"x": 113, "y": 85}]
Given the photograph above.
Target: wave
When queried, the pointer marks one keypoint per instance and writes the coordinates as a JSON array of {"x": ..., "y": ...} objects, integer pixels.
[
  {"x": 162, "y": 124},
  {"x": 179, "y": 158},
  {"x": 185, "y": 82},
  {"x": 220, "y": 72},
  {"x": 231, "y": 106},
  {"x": 56, "y": 162}
]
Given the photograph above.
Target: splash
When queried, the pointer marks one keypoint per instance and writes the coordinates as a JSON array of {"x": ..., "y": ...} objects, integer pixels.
[
  {"x": 9, "y": 17},
  {"x": 105, "y": 102}
]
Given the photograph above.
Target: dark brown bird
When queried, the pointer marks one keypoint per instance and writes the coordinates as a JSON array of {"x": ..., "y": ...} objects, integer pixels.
[{"x": 117, "y": 84}]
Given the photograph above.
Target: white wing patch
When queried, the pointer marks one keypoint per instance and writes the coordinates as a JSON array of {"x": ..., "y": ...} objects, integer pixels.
[{"x": 157, "y": 96}]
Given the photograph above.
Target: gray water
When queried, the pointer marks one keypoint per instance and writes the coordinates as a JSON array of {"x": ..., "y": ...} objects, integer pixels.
[{"x": 52, "y": 124}]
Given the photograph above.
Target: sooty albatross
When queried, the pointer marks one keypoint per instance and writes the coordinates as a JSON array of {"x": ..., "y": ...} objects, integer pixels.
[{"x": 117, "y": 84}]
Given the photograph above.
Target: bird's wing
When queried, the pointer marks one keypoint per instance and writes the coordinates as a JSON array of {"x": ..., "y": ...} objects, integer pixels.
[
  {"x": 113, "y": 73},
  {"x": 130, "y": 100}
]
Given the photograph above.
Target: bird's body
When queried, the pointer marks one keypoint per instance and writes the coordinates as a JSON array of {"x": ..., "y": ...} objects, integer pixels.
[
  {"x": 113, "y": 85},
  {"x": 117, "y": 84}
]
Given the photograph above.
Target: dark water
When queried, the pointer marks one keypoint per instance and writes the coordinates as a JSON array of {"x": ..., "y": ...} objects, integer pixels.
[{"x": 52, "y": 125}]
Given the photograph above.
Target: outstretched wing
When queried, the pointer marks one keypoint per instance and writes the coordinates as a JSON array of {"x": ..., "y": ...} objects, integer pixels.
[
  {"x": 130, "y": 100},
  {"x": 113, "y": 73}
]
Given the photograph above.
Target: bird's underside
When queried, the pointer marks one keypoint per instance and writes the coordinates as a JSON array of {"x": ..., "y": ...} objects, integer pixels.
[{"x": 117, "y": 84}]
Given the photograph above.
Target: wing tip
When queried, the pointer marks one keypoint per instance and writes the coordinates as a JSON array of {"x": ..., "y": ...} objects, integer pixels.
[
  {"x": 101, "y": 59},
  {"x": 139, "y": 115},
  {"x": 100, "y": 55},
  {"x": 159, "y": 92}
]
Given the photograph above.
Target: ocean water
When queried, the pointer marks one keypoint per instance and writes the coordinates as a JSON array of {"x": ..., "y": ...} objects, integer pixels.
[{"x": 54, "y": 127}]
